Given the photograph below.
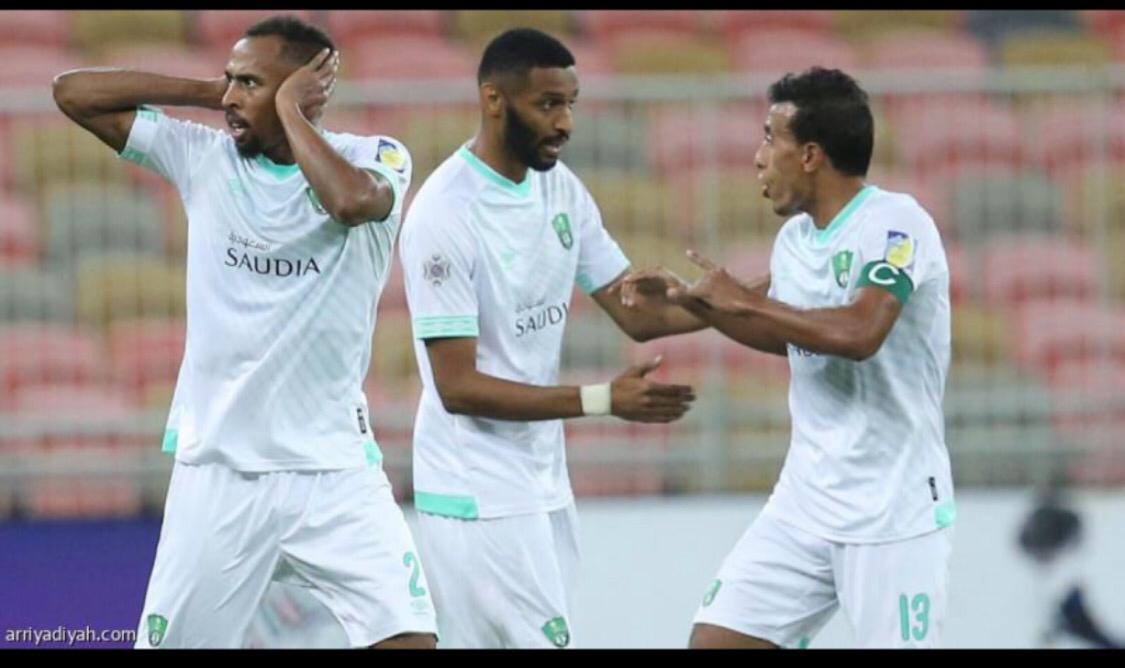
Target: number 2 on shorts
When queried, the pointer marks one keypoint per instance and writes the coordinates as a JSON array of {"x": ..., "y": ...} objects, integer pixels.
[{"x": 410, "y": 560}]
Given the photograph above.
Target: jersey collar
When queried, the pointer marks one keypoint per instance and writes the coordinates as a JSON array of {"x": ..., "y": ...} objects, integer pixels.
[
  {"x": 821, "y": 237},
  {"x": 519, "y": 189}
]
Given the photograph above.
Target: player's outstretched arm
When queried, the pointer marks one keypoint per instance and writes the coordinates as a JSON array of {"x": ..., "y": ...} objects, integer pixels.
[
  {"x": 855, "y": 331},
  {"x": 351, "y": 195},
  {"x": 105, "y": 100},
  {"x": 630, "y": 396},
  {"x": 645, "y": 317},
  {"x": 653, "y": 285}
]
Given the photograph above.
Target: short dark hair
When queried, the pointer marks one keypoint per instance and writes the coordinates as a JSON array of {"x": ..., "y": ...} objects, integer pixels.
[
  {"x": 518, "y": 50},
  {"x": 832, "y": 111},
  {"x": 302, "y": 40}
]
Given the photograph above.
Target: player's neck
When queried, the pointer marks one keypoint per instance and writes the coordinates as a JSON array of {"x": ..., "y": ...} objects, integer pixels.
[
  {"x": 280, "y": 154},
  {"x": 832, "y": 198},
  {"x": 493, "y": 153}
]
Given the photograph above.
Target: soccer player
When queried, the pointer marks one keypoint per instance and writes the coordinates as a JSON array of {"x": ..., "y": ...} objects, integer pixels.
[
  {"x": 491, "y": 248},
  {"x": 277, "y": 474},
  {"x": 857, "y": 297}
]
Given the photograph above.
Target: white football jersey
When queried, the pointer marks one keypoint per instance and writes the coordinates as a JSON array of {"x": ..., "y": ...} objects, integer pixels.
[{"x": 281, "y": 301}]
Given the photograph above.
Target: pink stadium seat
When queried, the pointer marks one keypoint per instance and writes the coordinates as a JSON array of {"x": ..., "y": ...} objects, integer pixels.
[
  {"x": 946, "y": 138},
  {"x": 407, "y": 58},
  {"x": 777, "y": 52},
  {"x": 1020, "y": 268},
  {"x": 960, "y": 268},
  {"x": 601, "y": 24},
  {"x": 44, "y": 27},
  {"x": 171, "y": 60},
  {"x": 1051, "y": 333},
  {"x": 86, "y": 495},
  {"x": 35, "y": 66},
  {"x": 223, "y": 27},
  {"x": 1105, "y": 22},
  {"x": 349, "y": 27},
  {"x": 676, "y": 144},
  {"x": 590, "y": 58},
  {"x": 1071, "y": 132},
  {"x": 19, "y": 233},
  {"x": 38, "y": 353},
  {"x": 931, "y": 199},
  {"x": 735, "y": 23},
  {"x": 927, "y": 51},
  {"x": 143, "y": 352},
  {"x": 71, "y": 400}
]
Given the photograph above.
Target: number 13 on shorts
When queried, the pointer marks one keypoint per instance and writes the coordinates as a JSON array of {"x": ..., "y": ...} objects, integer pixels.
[{"x": 914, "y": 615}]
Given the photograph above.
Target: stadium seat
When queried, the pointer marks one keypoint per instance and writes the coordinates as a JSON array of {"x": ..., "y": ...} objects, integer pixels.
[
  {"x": 926, "y": 50},
  {"x": 631, "y": 203},
  {"x": 171, "y": 60},
  {"x": 33, "y": 294},
  {"x": 221, "y": 28},
  {"x": 35, "y": 65},
  {"x": 980, "y": 336},
  {"x": 608, "y": 138},
  {"x": 1017, "y": 268},
  {"x": 678, "y": 136},
  {"x": 777, "y": 52},
  {"x": 946, "y": 139},
  {"x": 392, "y": 351},
  {"x": 863, "y": 24},
  {"x": 50, "y": 150},
  {"x": 992, "y": 26},
  {"x": 928, "y": 195},
  {"x": 410, "y": 58},
  {"x": 962, "y": 275},
  {"x": 33, "y": 354},
  {"x": 1062, "y": 49},
  {"x": 1051, "y": 333},
  {"x": 92, "y": 219},
  {"x": 146, "y": 352},
  {"x": 1114, "y": 250},
  {"x": 1072, "y": 132},
  {"x": 986, "y": 204},
  {"x": 95, "y": 31},
  {"x": 603, "y": 24},
  {"x": 651, "y": 52},
  {"x": 120, "y": 286},
  {"x": 477, "y": 27},
  {"x": 1104, "y": 22},
  {"x": 736, "y": 23},
  {"x": 1096, "y": 200},
  {"x": 351, "y": 27},
  {"x": 590, "y": 59},
  {"x": 19, "y": 234},
  {"x": 43, "y": 27},
  {"x": 733, "y": 196},
  {"x": 113, "y": 491}
]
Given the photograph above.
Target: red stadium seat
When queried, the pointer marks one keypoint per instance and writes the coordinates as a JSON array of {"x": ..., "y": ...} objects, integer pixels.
[
  {"x": 35, "y": 66},
  {"x": 349, "y": 28},
  {"x": 170, "y": 60},
  {"x": 221, "y": 28},
  {"x": 1049, "y": 334},
  {"x": 39, "y": 353},
  {"x": 116, "y": 493},
  {"x": 73, "y": 400},
  {"x": 676, "y": 137},
  {"x": 777, "y": 52},
  {"x": 590, "y": 58},
  {"x": 601, "y": 24},
  {"x": 927, "y": 51},
  {"x": 735, "y": 23},
  {"x": 930, "y": 197},
  {"x": 19, "y": 233},
  {"x": 144, "y": 352},
  {"x": 44, "y": 27},
  {"x": 945, "y": 139},
  {"x": 960, "y": 272},
  {"x": 1073, "y": 132},
  {"x": 1019, "y": 268},
  {"x": 1105, "y": 22},
  {"x": 409, "y": 58}
]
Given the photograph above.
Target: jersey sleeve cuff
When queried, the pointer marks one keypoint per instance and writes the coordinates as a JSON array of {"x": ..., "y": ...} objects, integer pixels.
[
  {"x": 436, "y": 327},
  {"x": 591, "y": 282},
  {"x": 391, "y": 176},
  {"x": 142, "y": 136}
]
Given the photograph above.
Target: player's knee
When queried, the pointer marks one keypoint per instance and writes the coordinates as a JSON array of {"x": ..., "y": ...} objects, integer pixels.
[
  {"x": 408, "y": 641},
  {"x": 707, "y": 636}
]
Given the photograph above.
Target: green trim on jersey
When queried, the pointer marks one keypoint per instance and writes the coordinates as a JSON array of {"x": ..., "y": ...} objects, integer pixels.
[
  {"x": 431, "y": 327},
  {"x": 461, "y": 507},
  {"x": 945, "y": 514},
  {"x": 821, "y": 236},
  {"x": 279, "y": 172},
  {"x": 171, "y": 436},
  {"x": 372, "y": 452},
  {"x": 132, "y": 154},
  {"x": 883, "y": 274},
  {"x": 520, "y": 189}
]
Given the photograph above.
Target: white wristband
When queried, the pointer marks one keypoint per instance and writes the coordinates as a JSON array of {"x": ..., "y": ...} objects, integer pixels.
[{"x": 596, "y": 399}]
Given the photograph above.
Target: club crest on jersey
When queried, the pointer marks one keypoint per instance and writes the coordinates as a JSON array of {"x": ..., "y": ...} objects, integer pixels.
[
  {"x": 157, "y": 627},
  {"x": 557, "y": 632},
  {"x": 842, "y": 267},
  {"x": 390, "y": 155},
  {"x": 561, "y": 223},
  {"x": 436, "y": 270},
  {"x": 900, "y": 249}
]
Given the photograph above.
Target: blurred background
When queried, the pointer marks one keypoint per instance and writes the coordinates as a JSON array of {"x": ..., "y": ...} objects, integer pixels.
[{"x": 1007, "y": 126}]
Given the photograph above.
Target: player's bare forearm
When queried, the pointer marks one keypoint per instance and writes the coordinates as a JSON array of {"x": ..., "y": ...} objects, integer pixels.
[
  {"x": 104, "y": 100},
  {"x": 482, "y": 395},
  {"x": 351, "y": 195},
  {"x": 748, "y": 329},
  {"x": 855, "y": 331},
  {"x": 646, "y": 320}
]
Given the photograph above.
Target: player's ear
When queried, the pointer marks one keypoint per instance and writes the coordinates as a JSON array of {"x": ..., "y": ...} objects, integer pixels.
[
  {"x": 812, "y": 157},
  {"x": 491, "y": 99}
]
